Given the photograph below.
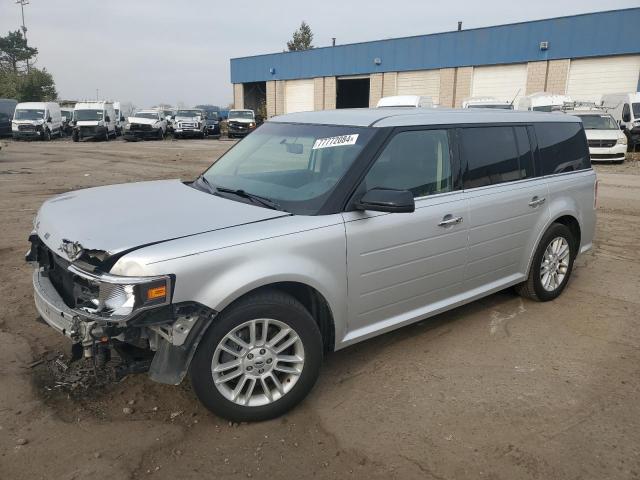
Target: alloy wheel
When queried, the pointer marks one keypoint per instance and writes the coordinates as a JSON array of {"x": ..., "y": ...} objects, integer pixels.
[
  {"x": 555, "y": 264},
  {"x": 258, "y": 362}
]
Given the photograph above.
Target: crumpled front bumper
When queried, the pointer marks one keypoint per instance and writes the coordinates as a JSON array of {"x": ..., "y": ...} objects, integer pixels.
[{"x": 55, "y": 312}]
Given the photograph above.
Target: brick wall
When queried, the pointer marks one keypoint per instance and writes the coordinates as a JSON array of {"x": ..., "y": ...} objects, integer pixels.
[
  {"x": 557, "y": 76},
  {"x": 318, "y": 93},
  {"x": 271, "y": 98},
  {"x": 390, "y": 84},
  {"x": 447, "y": 79},
  {"x": 330, "y": 93},
  {"x": 464, "y": 78},
  {"x": 375, "y": 89},
  {"x": 536, "y": 77},
  {"x": 280, "y": 92},
  {"x": 238, "y": 95}
]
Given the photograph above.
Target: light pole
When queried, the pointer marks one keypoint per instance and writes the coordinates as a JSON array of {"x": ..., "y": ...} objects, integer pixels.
[{"x": 22, "y": 3}]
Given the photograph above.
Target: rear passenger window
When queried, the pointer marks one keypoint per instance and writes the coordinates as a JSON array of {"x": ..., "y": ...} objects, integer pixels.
[
  {"x": 563, "y": 147},
  {"x": 526, "y": 155},
  {"x": 418, "y": 161},
  {"x": 491, "y": 156}
]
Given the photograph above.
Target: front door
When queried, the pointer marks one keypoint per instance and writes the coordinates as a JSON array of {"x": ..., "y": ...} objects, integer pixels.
[{"x": 402, "y": 266}]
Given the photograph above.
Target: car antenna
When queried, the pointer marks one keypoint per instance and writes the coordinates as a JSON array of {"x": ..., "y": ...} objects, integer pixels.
[{"x": 515, "y": 96}]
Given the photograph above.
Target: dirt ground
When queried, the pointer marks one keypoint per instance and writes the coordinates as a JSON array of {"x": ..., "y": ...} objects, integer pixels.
[{"x": 499, "y": 389}]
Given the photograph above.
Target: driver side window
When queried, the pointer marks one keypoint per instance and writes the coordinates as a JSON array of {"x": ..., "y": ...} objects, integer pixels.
[{"x": 418, "y": 161}]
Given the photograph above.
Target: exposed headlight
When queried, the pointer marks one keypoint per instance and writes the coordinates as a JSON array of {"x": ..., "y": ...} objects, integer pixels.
[
  {"x": 252, "y": 124},
  {"x": 116, "y": 298},
  {"x": 622, "y": 140},
  {"x": 127, "y": 126}
]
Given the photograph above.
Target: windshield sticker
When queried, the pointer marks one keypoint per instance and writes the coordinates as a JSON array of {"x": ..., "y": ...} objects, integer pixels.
[{"x": 335, "y": 141}]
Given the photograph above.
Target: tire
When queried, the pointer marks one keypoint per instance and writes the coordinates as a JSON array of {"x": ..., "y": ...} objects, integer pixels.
[
  {"x": 281, "y": 311},
  {"x": 534, "y": 287}
]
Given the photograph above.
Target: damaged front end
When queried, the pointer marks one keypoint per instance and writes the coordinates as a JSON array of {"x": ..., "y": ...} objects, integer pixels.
[{"x": 100, "y": 312}]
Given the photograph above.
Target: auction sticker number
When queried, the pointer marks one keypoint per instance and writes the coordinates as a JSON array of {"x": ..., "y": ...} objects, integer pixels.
[{"x": 338, "y": 141}]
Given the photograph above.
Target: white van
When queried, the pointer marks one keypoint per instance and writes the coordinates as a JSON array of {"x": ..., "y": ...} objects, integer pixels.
[
  {"x": 95, "y": 120},
  {"x": 543, "y": 102},
  {"x": 487, "y": 102},
  {"x": 606, "y": 142},
  {"x": 625, "y": 109},
  {"x": 41, "y": 120}
]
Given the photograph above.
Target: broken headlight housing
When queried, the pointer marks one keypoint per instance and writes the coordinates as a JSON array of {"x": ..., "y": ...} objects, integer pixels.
[{"x": 117, "y": 298}]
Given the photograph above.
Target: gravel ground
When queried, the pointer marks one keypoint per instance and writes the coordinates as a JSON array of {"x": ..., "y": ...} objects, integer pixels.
[{"x": 500, "y": 389}]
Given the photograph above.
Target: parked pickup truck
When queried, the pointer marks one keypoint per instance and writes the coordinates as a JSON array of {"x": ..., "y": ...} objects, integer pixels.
[
  {"x": 145, "y": 124},
  {"x": 241, "y": 123},
  {"x": 189, "y": 123}
]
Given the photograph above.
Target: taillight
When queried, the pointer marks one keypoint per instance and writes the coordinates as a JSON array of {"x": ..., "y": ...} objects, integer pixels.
[{"x": 595, "y": 195}]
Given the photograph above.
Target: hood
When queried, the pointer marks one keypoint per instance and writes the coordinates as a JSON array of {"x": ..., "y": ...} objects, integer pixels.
[
  {"x": 603, "y": 134},
  {"x": 117, "y": 218},
  {"x": 241, "y": 120},
  {"x": 186, "y": 119},
  {"x": 143, "y": 121}
]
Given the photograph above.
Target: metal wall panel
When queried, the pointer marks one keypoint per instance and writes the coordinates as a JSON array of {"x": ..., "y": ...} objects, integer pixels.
[
  {"x": 423, "y": 82},
  {"x": 504, "y": 82},
  {"x": 588, "y": 35},
  {"x": 592, "y": 77}
]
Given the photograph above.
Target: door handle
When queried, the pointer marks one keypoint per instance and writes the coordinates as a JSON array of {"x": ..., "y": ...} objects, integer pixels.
[
  {"x": 536, "y": 202},
  {"x": 449, "y": 220}
]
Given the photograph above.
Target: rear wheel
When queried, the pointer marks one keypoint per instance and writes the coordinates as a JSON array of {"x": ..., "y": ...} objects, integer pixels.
[
  {"x": 259, "y": 359},
  {"x": 552, "y": 265}
]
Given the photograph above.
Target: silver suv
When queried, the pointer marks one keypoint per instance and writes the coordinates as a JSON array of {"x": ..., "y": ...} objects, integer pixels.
[{"x": 317, "y": 231}]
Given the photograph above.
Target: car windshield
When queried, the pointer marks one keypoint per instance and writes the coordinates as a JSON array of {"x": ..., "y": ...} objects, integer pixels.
[
  {"x": 188, "y": 113},
  {"x": 167, "y": 113},
  {"x": 88, "y": 115},
  {"x": 295, "y": 165},
  {"x": 246, "y": 114},
  {"x": 598, "y": 122},
  {"x": 151, "y": 115},
  {"x": 501, "y": 106},
  {"x": 67, "y": 114},
  {"x": 29, "y": 114},
  {"x": 636, "y": 109}
]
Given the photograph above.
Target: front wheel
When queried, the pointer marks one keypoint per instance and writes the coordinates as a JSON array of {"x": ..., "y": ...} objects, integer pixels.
[
  {"x": 258, "y": 359},
  {"x": 552, "y": 265}
]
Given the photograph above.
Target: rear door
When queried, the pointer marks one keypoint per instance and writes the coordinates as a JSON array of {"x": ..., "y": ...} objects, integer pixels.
[
  {"x": 507, "y": 204},
  {"x": 402, "y": 266}
]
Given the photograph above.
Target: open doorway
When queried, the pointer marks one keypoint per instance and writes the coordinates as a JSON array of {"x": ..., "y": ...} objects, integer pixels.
[
  {"x": 352, "y": 93},
  {"x": 255, "y": 98}
]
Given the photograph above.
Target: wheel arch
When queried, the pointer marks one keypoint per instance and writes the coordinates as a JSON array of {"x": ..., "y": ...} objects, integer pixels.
[
  {"x": 310, "y": 297},
  {"x": 570, "y": 220}
]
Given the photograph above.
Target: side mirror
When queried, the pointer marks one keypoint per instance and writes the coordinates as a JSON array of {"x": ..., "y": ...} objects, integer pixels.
[
  {"x": 121, "y": 118},
  {"x": 106, "y": 118},
  {"x": 49, "y": 120},
  {"x": 623, "y": 127},
  {"x": 387, "y": 200}
]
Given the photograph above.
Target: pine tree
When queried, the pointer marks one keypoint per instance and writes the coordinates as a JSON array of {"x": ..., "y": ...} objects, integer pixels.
[{"x": 302, "y": 38}]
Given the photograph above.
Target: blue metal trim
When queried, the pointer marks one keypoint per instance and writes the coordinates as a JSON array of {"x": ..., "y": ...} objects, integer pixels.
[{"x": 587, "y": 35}]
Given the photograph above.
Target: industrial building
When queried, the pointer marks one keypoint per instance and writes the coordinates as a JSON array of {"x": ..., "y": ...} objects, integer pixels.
[{"x": 583, "y": 56}]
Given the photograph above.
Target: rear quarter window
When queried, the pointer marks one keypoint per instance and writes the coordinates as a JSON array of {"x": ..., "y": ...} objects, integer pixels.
[{"x": 563, "y": 147}]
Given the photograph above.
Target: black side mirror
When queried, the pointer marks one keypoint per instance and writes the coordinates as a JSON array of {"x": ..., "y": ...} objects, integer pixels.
[
  {"x": 49, "y": 119},
  {"x": 387, "y": 200},
  {"x": 106, "y": 118},
  {"x": 623, "y": 127},
  {"x": 121, "y": 118}
]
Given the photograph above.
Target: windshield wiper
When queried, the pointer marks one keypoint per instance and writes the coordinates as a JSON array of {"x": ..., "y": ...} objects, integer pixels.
[
  {"x": 207, "y": 183},
  {"x": 264, "y": 201}
]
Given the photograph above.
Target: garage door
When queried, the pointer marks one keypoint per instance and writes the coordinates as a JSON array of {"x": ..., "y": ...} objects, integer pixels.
[
  {"x": 589, "y": 78},
  {"x": 298, "y": 96},
  {"x": 504, "y": 82},
  {"x": 423, "y": 82}
]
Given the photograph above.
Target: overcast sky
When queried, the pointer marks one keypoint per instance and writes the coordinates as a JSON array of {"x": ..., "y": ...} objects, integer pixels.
[{"x": 149, "y": 52}]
